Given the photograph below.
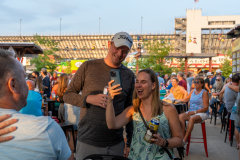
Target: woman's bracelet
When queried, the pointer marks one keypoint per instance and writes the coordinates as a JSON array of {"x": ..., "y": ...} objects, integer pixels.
[{"x": 164, "y": 142}]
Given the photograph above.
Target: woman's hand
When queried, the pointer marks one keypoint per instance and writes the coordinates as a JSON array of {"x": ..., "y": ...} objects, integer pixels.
[
  {"x": 215, "y": 94},
  {"x": 178, "y": 101},
  {"x": 159, "y": 140},
  {"x": 190, "y": 113},
  {"x": 112, "y": 91},
  {"x": 166, "y": 95}
]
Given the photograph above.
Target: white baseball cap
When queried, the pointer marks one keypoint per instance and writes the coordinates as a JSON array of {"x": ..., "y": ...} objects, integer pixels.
[
  {"x": 173, "y": 73},
  {"x": 230, "y": 76},
  {"x": 218, "y": 71},
  {"x": 209, "y": 74},
  {"x": 122, "y": 39}
]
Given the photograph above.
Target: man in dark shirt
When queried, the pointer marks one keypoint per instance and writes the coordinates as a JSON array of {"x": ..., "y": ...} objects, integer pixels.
[
  {"x": 207, "y": 83},
  {"x": 182, "y": 82},
  {"x": 46, "y": 82},
  {"x": 94, "y": 137}
]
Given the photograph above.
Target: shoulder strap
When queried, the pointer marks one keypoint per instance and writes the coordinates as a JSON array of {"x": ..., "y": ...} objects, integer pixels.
[
  {"x": 169, "y": 154},
  {"x": 143, "y": 118}
]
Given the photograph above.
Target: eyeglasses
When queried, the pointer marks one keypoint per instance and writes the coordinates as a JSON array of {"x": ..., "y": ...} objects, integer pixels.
[
  {"x": 196, "y": 82},
  {"x": 217, "y": 79}
]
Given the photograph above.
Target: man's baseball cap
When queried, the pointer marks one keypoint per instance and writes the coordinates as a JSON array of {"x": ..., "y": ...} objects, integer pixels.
[
  {"x": 122, "y": 39},
  {"x": 209, "y": 74},
  {"x": 173, "y": 73},
  {"x": 218, "y": 71}
]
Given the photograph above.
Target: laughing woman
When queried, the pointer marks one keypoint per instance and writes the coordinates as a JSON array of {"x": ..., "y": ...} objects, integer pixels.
[{"x": 146, "y": 99}]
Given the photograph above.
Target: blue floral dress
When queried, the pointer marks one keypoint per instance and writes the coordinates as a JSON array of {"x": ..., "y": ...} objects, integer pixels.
[{"x": 140, "y": 149}]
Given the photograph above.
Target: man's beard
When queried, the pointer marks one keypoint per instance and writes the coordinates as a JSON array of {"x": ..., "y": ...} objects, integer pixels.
[{"x": 219, "y": 85}]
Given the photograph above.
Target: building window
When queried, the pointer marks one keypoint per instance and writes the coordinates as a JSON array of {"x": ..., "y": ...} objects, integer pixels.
[
  {"x": 231, "y": 22},
  {"x": 221, "y": 22}
]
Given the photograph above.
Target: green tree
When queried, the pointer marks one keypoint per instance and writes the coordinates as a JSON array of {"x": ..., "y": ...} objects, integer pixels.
[
  {"x": 44, "y": 60},
  {"x": 226, "y": 65},
  {"x": 157, "y": 50}
]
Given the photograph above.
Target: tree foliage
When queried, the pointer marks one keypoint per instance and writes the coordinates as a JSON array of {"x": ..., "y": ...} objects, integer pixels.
[
  {"x": 226, "y": 65},
  {"x": 44, "y": 60},
  {"x": 157, "y": 50},
  {"x": 125, "y": 63}
]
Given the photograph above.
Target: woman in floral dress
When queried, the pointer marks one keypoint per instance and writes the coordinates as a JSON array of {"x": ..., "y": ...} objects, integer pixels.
[{"x": 146, "y": 98}]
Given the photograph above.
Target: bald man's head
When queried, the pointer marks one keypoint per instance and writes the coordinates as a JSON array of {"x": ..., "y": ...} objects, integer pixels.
[{"x": 31, "y": 85}]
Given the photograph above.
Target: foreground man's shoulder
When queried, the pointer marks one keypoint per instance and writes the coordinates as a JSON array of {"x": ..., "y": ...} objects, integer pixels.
[{"x": 94, "y": 61}]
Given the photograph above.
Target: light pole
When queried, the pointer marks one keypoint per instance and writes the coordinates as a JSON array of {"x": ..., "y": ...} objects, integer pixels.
[
  {"x": 20, "y": 27},
  {"x": 141, "y": 24},
  {"x": 99, "y": 24},
  {"x": 60, "y": 28}
]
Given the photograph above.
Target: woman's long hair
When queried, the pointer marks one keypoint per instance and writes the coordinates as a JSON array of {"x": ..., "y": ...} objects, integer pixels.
[
  {"x": 63, "y": 83},
  {"x": 39, "y": 84},
  {"x": 157, "y": 107}
]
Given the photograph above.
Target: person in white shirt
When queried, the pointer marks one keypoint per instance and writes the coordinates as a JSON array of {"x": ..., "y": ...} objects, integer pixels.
[{"x": 35, "y": 137}]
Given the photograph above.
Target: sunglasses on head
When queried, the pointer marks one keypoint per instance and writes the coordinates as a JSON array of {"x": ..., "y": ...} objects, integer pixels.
[{"x": 196, "y": 82}]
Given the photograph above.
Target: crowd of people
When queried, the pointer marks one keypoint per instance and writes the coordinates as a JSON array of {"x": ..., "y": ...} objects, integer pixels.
[
  {"x": 25, "y": 133},
  {"x": 209, "y": 95}
]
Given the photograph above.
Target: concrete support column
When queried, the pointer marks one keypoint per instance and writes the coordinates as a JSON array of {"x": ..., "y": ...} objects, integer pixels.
[
  {"x": 210, "y": 64},
  {"x": 186, "y": 67}
]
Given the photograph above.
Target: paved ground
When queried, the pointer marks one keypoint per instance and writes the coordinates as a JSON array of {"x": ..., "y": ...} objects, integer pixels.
[{"x": 217, "y": 149}]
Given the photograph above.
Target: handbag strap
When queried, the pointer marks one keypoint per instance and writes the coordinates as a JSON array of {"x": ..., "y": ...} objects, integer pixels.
[
  {"x": 169, "y": 154},
  {"x": 145, "y": 123}
]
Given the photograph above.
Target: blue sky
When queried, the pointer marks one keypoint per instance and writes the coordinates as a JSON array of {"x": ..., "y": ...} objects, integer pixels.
[{"x": 43, "y": 16}]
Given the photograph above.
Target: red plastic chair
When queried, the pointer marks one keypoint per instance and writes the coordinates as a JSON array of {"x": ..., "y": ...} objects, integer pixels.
[
  {"x": 204, "y": 139},
  {"x": 55, "y": 118}
]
